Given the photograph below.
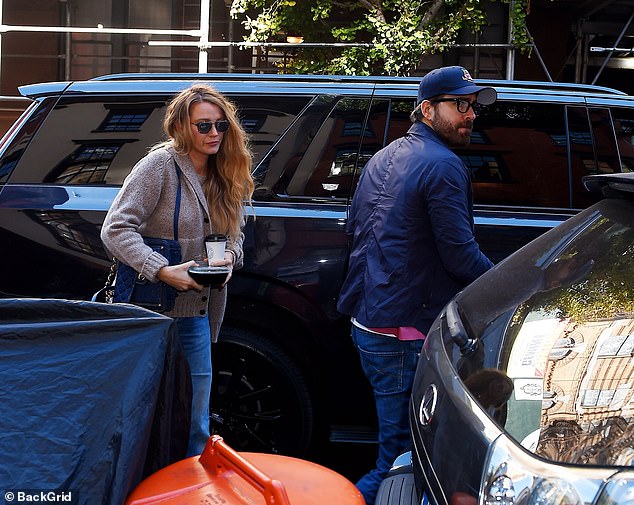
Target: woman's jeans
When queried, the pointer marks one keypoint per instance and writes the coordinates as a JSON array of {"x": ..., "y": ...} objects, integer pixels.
[
  {"x": 390, "y": 366},
  {"x": 195, "y": 336}
]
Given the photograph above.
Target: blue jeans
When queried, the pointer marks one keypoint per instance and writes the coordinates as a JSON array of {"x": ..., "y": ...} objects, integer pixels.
[
  {"x": 195, "y": 336},
  {"x": 390, "y": 366}
]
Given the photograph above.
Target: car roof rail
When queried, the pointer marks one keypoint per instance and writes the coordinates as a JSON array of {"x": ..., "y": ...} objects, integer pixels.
[
  {"x": 548, "y": 85},
  {"x": 259, "y": 77},
  {"x": 544, "y": 85}
]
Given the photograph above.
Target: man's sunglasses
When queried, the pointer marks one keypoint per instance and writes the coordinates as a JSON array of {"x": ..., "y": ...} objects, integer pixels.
[
  {"x": 204, "y": 127},
  {"x": 462, "y": 104}
]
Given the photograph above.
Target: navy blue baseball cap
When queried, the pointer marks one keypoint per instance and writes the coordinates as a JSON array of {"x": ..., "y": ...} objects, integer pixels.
[{"x": 453, "y": 81}]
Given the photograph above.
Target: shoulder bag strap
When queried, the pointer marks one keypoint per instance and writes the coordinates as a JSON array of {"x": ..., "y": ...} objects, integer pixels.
[{"x": 177, "y": 207}]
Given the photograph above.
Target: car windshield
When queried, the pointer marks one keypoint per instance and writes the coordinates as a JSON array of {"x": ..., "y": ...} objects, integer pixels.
[{"x": 560, "y": 327}]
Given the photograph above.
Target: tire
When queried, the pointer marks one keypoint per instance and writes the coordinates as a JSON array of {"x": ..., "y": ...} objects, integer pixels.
[
  {"x": 260, "y": 401},
  {"x": 397, "y": 489}
]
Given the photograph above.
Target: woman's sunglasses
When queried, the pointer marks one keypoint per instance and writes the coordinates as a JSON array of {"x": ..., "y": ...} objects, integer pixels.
[{"x": 204, "y": 127}]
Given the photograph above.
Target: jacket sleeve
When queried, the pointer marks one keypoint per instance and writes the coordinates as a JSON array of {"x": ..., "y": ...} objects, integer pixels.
[
  {"x": 449, "y": 200},
  {"x": 136, "y": 201},
  {"x": 235, "y": 246}
]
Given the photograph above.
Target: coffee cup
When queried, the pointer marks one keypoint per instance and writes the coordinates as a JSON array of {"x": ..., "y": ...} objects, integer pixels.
[{"x": 215, "y": 245}]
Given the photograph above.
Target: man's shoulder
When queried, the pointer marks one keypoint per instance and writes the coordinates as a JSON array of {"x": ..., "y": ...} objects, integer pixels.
[{"x": 419, "y": 148}]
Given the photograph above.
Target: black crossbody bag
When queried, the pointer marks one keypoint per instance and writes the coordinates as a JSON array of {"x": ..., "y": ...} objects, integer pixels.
[{"x": 126, "y": 285}]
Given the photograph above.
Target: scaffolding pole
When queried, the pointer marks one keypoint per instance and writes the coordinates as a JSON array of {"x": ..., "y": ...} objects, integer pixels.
[
  {"x": 204, "y": 35},
  {"x": 1, "y": 22},
  {"x": 618, "y": 41},
  {"x": 510, "y": 54}
]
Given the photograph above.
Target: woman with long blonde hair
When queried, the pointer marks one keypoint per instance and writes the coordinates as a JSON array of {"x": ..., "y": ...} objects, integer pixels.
[{"x": 207, "y": 150}]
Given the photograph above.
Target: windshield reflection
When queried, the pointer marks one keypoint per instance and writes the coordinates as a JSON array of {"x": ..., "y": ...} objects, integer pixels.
[{"x": 569, "y": 341}]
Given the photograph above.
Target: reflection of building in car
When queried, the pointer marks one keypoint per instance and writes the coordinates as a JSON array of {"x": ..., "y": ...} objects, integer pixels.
[
  {"x": 525, "y": 388},
  {"x": 603, "y": 350}
]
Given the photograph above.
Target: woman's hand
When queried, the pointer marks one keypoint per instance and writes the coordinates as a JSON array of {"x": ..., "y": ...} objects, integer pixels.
[
  {"x": 177, "y": 277},
  {"x": 227, "y": 262}
]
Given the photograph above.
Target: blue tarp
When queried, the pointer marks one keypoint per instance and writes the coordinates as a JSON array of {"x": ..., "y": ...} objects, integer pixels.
[{"x": 93, "y": 397}]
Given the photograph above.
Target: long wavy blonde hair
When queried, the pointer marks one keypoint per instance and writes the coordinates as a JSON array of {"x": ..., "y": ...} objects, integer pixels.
[{"x": 228, "y": 186}]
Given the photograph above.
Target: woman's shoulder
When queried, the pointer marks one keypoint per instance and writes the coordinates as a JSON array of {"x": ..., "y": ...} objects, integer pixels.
[
  {"x": 156, "y": 159},
  {"x": 161, "y": 153}
]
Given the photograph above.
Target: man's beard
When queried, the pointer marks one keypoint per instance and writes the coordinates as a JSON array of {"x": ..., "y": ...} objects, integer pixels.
[{"x": 450, "y": 133}]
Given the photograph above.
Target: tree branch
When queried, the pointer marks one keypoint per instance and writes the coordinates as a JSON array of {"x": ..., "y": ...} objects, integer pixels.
[
  {"x": 373, "y": 6},
  {"x": 431, "y": 13}
]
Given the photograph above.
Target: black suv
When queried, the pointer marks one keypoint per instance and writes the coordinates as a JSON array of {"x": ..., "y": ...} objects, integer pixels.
[{"x": 285, "y": 372}]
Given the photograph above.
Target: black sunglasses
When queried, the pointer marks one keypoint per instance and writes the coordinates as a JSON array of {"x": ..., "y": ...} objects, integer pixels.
[
  {"x": 204, "y": 127},
  {"x": 463, "y": 105}
]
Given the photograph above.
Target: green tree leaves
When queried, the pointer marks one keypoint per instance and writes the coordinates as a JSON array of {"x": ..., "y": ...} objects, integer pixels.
[{"x": 396, "y": 33}]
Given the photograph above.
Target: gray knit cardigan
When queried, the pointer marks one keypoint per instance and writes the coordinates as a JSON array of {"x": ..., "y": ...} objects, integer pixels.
[{"x": 145, "y": 207}]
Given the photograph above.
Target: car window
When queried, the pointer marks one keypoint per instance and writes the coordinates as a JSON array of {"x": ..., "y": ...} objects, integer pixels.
[
  {"x": 608, "y": 161},
  {"x": 92, "y": 140},
  {"x": 399, "y": 121},
  {"x": 388, "y": 119},
  {"x": 582, "y": 149},
  {"x": 593, "y": 149},
  {"x": 35, "y": 115},
  {"x": 518, "y": 155},
  {"x": 316, "y": 159},
  {"x": 266, "y": 118},
  {"x": 624, "y": 127}
]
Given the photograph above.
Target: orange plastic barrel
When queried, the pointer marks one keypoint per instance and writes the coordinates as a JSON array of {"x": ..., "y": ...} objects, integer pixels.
[{"x": 222, "y": 476}]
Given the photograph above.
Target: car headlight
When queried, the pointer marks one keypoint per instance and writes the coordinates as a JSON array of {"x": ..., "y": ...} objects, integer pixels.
[
  {"x": 513, "y": 476},
  {"x": 553, "y": 492},
  {"x": 619, "y": 491},
  {"x": 501, "y": 490}
]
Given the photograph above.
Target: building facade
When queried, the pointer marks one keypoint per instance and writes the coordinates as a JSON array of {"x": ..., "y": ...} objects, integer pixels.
[{"x": 585, "y": 41}]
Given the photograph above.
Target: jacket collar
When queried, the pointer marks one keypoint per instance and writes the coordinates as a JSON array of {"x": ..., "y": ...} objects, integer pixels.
[{"x": 421, "y": 129}]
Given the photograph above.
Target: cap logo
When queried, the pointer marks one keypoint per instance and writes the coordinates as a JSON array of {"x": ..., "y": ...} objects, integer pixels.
[{"x": 466, "y": 76}]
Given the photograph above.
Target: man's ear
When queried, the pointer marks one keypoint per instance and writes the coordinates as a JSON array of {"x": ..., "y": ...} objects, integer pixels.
[{"x": 427, "y": 109}]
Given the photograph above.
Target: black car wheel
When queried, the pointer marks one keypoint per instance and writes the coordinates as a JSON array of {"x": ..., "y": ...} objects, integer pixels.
[{"x": 260, "y": 401}]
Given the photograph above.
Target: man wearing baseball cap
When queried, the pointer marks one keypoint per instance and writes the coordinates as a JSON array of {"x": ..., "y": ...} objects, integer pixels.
[{"x": 412, "y": 249}]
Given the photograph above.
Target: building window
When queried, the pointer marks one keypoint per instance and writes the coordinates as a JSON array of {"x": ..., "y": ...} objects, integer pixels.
[
  {"x": 617, "y": 346},
  {"x": 600, "y": 398},
  {"x": 88, "y": 165},
  {"x": 124, "y": 120}
]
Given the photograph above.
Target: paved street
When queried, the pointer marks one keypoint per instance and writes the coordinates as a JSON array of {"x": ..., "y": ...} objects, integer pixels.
[{"x": 350, "y": 460}]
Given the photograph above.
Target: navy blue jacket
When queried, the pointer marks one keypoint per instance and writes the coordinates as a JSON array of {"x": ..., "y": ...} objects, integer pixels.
[{"x": 411, "y": 229}]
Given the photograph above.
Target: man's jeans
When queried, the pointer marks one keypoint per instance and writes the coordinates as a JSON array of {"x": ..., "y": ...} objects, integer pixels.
[
  {"x": 195, "y": 336},
  {"x": 390, "y": 366}
]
